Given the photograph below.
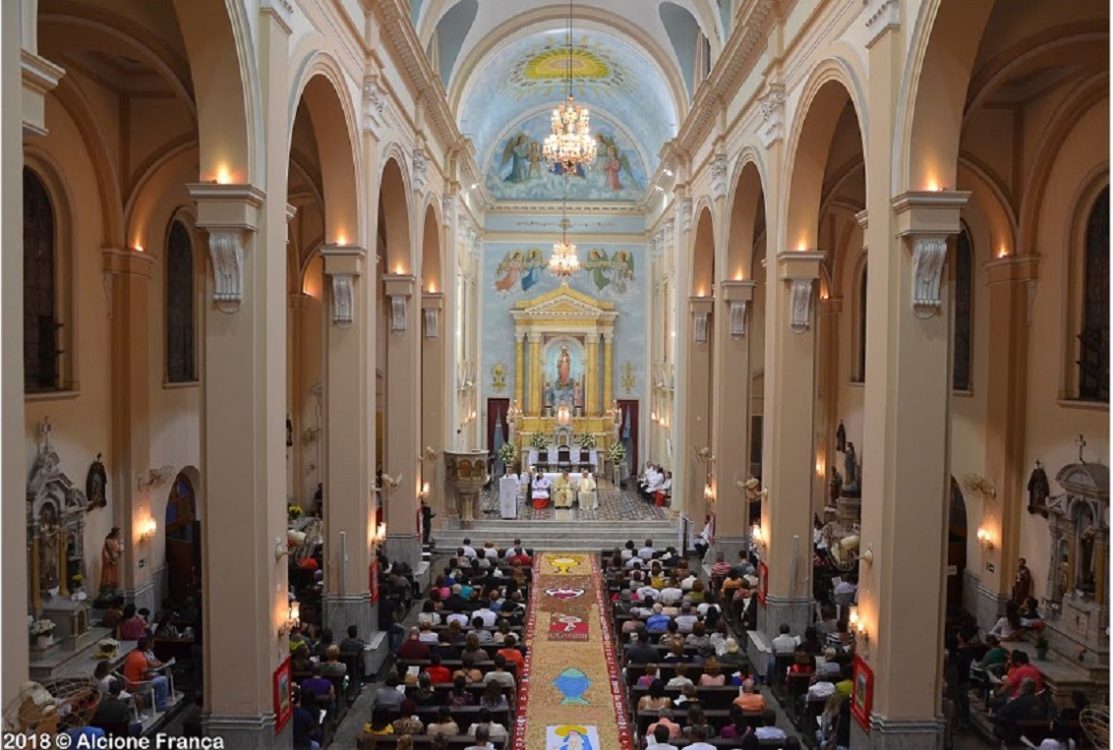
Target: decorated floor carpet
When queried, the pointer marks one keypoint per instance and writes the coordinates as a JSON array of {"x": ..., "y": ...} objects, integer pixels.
[{"x": 570, "y": 696}]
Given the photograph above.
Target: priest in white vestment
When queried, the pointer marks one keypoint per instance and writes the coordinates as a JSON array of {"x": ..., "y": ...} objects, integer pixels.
[
  {"x": 589, "y": 497},
  {"x": 562, "y": 492}
]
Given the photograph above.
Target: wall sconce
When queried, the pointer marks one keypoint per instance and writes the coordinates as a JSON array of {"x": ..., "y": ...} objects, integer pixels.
[
  {"x": 856, "y": 626},
  {"x": 708, "y": 493},
  {"x": 757, "y": 538},
  {"x": 293, "y": 619},
  {"x": 147, "y": 530},
  {"x": 380, "y": 533},
  {"x": 985, "y": 539}
]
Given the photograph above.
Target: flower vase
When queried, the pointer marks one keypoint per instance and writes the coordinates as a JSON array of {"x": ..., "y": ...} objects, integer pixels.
[{"x": 44, "y": 641}]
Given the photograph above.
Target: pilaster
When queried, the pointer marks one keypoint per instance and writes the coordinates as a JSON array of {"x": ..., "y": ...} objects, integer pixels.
[
  {"x": 697, "y": 408},
  {"x": 349, "y": 411},
  {"x": 534, "y": 373},
  {"x": 608, "y": 369},
  {"x": 519, "y": 369},
  {"x": 591, "y": 387},
  {"x": 1010, "y": 279},
  {"x": 434, "y": 387},
  {"x": 403, "y": 418},
  {"x": 128, "y": 275},
  {"x": 731, "y": 427}
]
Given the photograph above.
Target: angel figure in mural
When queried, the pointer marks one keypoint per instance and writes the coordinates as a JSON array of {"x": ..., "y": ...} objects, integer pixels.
[
  {"x": 516, "y": 153},
  {"x": 622, "y": 270},
  {"x": 510, "y": 267},
  {"x": 599, "y": 265},
  {"x": 533, "y": 266},
  {"x": 535, "y": 158},
  {"x": 615, "y": 162}
]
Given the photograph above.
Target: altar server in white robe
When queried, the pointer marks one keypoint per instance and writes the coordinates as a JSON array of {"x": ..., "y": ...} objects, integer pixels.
[
  {"x": 588, "y": 496},
  {"x": 540, "y": 493}
]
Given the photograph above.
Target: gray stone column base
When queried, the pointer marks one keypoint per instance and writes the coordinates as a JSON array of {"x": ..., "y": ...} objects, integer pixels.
[
  {"x": 795, "y": 611},
  {"x": 990, "y": 605},
  {"x": 897, "y": 734},
  {"x": 249, "y": 732},
  {"x": 403, "y": 547},
  {"x": 342, "y": 610}
]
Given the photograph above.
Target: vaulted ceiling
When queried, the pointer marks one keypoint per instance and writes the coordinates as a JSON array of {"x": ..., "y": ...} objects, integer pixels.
[{"x": 503, "y": 63}]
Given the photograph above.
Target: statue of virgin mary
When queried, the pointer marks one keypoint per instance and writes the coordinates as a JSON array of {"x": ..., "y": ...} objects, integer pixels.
[{"x": 564, "y": 368}]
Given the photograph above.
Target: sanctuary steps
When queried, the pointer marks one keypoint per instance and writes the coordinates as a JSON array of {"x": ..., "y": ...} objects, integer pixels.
[{"x": 563, "y": 535}]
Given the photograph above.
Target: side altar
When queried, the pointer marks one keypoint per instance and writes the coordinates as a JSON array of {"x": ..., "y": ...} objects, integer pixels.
[{"x": 564, "y": 374}]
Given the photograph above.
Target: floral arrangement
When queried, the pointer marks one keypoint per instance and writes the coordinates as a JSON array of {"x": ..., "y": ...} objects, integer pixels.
[
  {"x": 42, "y": 627},
  {"x": 587, "y": 441},
  {"x": 617, "y": 453},
  {"x": 537, "y": 440},
  {"x": 507, "y": 453},
  {"x": 294, "y": 512},
  {"x": 77, "y": 581}
]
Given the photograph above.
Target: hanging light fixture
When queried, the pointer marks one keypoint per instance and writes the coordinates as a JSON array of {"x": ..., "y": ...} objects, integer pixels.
[
  {"x": 564, "y": 261},
  {"x": 570, "y": 144}
]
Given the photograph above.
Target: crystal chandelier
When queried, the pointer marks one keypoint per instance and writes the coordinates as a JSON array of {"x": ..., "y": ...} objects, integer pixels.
[
  {"x": 564, "y": 261},
  {"x": 570, "y": 144}
]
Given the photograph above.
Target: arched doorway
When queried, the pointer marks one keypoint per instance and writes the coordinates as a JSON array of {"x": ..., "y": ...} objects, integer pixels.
[
  {"x": 183, "y": 542},
  {"x": 956, "y": 548}
]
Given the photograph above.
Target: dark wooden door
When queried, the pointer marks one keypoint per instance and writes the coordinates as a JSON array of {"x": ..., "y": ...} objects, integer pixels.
[
  {"x": 496, "y": 414},
  {"x": 629, "y": 410}
]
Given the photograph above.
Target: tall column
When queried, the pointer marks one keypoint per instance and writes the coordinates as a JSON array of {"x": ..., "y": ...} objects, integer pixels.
[
  {"x": 129, "y": 274},
  {"x": 403, "y": 429},
  {"x": 789, "y": 445},
  {"x": 697, "y": 411},
  {"x": 434, "y": 369},
  {"x": 243, "y": 423},
  {"x": 828, "y": 419},
  {"x": 608, "y": 369},
  {"x": 731, "y": 406},
  {"x": 13, "y": 455},
  {"x": 1010, "y": 280},
  {"x": 535, "y": 373},
  {"x": 519, "y": 369},
  {"x": 591, "y": 388},
  {"x": 349, "y": 412}
]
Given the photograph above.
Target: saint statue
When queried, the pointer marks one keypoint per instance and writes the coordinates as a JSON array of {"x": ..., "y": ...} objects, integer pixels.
[
  {"x": 1086, "y": 577},
  {"x": 564, "y": 368},
  {"x": 95, "y": 483},
  {"x": 49, "y": 533},
  {"x": 1038, "y": 490},
  {"x": 835, "y": 485},
  {"x": 548, "y": 392},
  {"x": 840, "y": 438},
  {"x": 577, "y": 395},
  {"x": 852, "y": 482},
  {"x": 110, "y": 561}
]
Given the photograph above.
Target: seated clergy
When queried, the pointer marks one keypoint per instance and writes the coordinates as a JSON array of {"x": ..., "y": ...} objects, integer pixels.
[
  {"x": 541, "y": 485},
  {"x": 562, "y": 491},
  {"x": 589, "y": 498}
]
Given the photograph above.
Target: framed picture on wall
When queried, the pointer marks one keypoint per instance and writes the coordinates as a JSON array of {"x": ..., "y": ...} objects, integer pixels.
[
  {"x": 762, "y": 581},
  {"x": 861, "y": 699},
  {"x": 283, "y": 696}
]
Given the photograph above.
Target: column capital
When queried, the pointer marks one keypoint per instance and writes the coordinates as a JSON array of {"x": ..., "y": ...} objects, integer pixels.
[
  {"x": 343, "y": 259},
  {"x": 935, "y": 212},
  {"x": 40, "y": 76},
  {"x": 881, "y": 16},
  {"x": 608, "y": 336},
  {"x": 534, "y": 338},
  {"x": 1012, "y": 269},
  {"x": 227, "y": 213},
  {"x": 592, "y": 337},
  {"x": 803, "y": 265},
  {"x": 737, "y": 290},
  {"x": 122, "y": 261}
]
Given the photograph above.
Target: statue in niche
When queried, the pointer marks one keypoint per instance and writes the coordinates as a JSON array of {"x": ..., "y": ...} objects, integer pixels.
[
  {"x": 95, "y": 485},
  {"x": 835, "y": 484},
  {"x": 1086, "y": 575},
  {"x": 49, "y": 533},
  {"x": 110, "y": 561},
  {"x": 577, "y": 396},
  {"x": 548, "y": 393},
  {"x": 564, "y": 368},
  {"x": 840, "y": 438},
  {"x": 1038, "y": 490},
  {"x": 853, "y": 481}
]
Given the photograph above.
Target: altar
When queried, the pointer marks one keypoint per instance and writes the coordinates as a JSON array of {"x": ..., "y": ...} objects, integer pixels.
[{"x": 574, "y": 458}]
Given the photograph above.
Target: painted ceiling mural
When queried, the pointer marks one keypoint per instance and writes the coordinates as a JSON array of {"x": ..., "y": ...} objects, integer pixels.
[
  {"x": 524, "y": 79},
  {"x": 518, "y": 171}
]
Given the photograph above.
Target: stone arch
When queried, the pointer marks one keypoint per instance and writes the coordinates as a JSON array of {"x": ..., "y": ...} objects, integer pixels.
[
  {"x": 945, "y": 42},
  {"x": 432, "y": 281},
  {"x": 703, "y": 253},
  {"x": 218, "y": 42},
  {"x": 319, "y": 83},
  {"x": 829, "y": 90},
  {"x": 747, "y": 201},
  {"x": 394, "y": 191}
]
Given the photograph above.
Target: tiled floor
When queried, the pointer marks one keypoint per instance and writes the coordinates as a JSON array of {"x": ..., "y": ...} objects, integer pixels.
[{"x": 614, "y": 505}]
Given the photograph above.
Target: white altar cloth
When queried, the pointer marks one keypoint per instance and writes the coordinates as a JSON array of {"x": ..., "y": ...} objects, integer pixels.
[{"x": 508, "y": 497}]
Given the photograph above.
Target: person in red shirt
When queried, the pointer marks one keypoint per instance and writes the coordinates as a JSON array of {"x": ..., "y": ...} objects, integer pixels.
[
  {"x": 413, "y": 648},
  {"x": 510, "y": 652},
  {"x": 1020, "y": 670},
  {"x": 437, "y": 672}
]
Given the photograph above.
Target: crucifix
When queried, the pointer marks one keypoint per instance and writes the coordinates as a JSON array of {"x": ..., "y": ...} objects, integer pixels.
[{"x": 1081, "y": 443}]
